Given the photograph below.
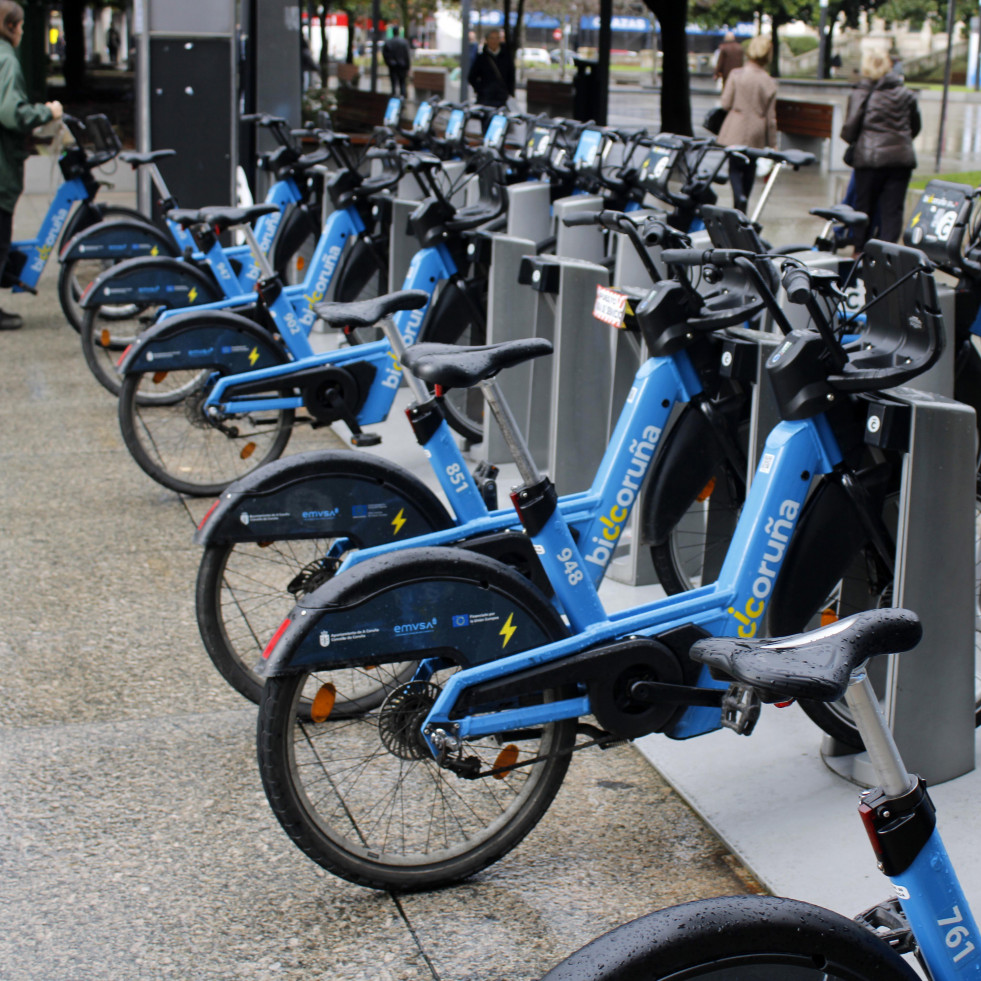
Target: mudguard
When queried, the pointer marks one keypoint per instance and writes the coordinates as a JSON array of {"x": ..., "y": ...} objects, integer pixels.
[
  {"x": 828, "y": 536},
  {"x": 358, "y": 266},
  {"x": 123, "y": 239},
  {"x": 452, "y": 309},
  {"x": 325, "y": 494},
  {"x": 90, "y": 213},
  {"x": 216, "y": 339},
  {"x": 690, "y": 454},
  {"x": 152, "y": 280},
  {"x": 296, "y": 225},
  {"x": 409, "y": 604}
]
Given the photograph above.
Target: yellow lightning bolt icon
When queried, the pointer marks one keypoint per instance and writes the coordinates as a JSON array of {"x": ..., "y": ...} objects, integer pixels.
[
  {"x": 193, "y": 294},
  {"x": 398, "y": 520},
  {"x": 507, "y": 631},
  {"x": 916, "y": 218},
  {"x": 253, "y": 356},
  {"x": 155, "y": 250}
]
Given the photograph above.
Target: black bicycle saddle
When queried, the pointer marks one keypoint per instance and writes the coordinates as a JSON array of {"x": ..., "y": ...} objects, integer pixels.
[
  {"x": 455, "y": 366},
  {"x": 364, "y": 313},
  {"x": 814, "y": 665}
]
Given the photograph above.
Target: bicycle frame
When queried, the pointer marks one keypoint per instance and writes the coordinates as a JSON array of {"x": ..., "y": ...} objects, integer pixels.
[
  {"x": 39, "y": 249},
  {"x": 429, "y": 266}
]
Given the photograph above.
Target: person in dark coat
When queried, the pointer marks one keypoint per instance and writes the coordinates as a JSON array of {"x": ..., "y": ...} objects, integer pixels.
[
  {"x": 397, "y": 55},
  {"x": 17, "y": 118},
  {"x": 881, "y": 123},
  {"x": 492, "y": 72},
  {"x": 729, "y": 56}
]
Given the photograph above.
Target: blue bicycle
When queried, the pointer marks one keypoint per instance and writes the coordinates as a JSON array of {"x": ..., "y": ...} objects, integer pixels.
[
  {"x": 459, "y": 763},
  {"x": 743, "y": 937}
]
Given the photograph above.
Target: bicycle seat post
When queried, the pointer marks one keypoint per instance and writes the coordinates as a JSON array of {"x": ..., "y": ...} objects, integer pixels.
[
  {"x": 157, "y": 180},
  {"x": 887, "y": 764},
  {"x": 260, "y": 257},
  {"x": 516, "y": 443},
  {"x": 419, "y": 391}
]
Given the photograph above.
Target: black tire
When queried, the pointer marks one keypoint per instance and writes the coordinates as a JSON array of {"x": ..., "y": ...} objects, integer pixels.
[
  {"x": 693, "y": 552},
  {"x": 179, "y": 447},
  {"x": 76, "y": 274},
  {"x": 863, "y": 589},
  {"x": 246, "y": 589},
  {"x": 461, "y": 324},
  {"x": 390, "y": 821},
  {"x": 738, "y": 938}
]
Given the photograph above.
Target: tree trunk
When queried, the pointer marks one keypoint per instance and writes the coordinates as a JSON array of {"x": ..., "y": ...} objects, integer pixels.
[
  {"x": 675, "y": 93},
  {"x": 324, "y": 53},
  {"x": 74, "y": 31},
  {"x": 775, "y": 25}
]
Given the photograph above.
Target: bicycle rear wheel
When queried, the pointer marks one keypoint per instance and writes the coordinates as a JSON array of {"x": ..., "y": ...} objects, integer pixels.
[
  {"x": 737, "y": 938},
  {"x": 176, "y": 444}
]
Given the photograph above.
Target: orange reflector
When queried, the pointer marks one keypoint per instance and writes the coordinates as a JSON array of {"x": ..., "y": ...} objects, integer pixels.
[
  {"x": 323, "y": 703},
  {"x": 301, "y": 263},
  {"x": 159, "y": 376},
  {"x": 105, "y": 338},
  {"x": 706, "y": 491},
  {"x": 828, "y": 616},
  {"x": 247, "y": 451},
  {"x": 506, "y": 758}
]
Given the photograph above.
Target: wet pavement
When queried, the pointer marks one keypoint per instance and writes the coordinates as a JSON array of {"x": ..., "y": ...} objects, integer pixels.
[{"x": 135, "y": 839}]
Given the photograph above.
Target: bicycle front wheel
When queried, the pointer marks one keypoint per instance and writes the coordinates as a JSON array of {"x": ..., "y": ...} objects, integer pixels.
[
  {"x": 364, "y": 798},
  {"x": 737, "y": 938},
  {"x": 176, "y": 444}
]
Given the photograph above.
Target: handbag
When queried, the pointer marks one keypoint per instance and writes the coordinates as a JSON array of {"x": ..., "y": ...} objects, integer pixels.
[{"x": 714, "y": 119}]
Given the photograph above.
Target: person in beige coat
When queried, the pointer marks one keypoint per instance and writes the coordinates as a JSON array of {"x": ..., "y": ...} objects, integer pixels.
[{"x": 750, "y": 98}]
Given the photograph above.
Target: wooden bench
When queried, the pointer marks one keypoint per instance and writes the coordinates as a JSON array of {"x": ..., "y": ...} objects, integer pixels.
[
  {"x": 553, "y": 97},
  {"x": 811, "y": 126},
  {"x": 348, "y": 74},
  {"x": 429, "y": 82},
  {"x": 357, "y": 111}
]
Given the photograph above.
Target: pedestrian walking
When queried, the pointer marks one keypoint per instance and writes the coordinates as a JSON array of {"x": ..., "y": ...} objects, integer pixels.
[
  {"x": 397, "y": 55},
  {"x": 728, "y": 56},
  {"x": 18, "y": 117},
  {"x": 881, "y": 122},
  {"x": 492, "y": 72},
  {"x": 750, "y": 101}
]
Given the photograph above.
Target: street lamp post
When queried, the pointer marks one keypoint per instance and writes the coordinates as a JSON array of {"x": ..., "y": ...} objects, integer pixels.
[{"x": 822, "y": 39}]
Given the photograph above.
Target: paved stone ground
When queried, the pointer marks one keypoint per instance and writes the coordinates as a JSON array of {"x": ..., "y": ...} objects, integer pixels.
[{"x": 135, "y": 839}]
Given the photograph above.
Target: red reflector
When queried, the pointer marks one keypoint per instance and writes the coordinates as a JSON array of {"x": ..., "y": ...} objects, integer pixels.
[
  {"x": 122, "y": 356},
  {"x": 204, "y": 520},
  {"x": 783, "y": 705},
  {"x": 867, "y": 814},
  {"x": 438, "y": 391},
  {"x": 275, "y": 638}
]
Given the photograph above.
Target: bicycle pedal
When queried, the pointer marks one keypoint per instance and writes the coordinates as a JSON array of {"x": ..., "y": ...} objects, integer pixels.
[
  {"x": 888, "y": 922},
  {"x": 365, "y": 439},
  {"x": 740, "y": 709}
]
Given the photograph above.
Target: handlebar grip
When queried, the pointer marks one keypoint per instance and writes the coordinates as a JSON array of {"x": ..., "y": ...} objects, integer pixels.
[
  {"x": 797, "y": 283},
  {"x": 704, "y": 257}
]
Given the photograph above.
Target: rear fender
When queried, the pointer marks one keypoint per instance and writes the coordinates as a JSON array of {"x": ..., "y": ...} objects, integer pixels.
[
  {"x": 294, "y": 228},
  {"x": 689, "y": 455},
  {"x": 218, "y": 339},
  {"x": 125, "y": 238},
  {"x": 828, "y": 536},
  {"x": 420, "y": 602},
  {"x": 152, "y": 280},
  {"x": 325, "y": 494}
]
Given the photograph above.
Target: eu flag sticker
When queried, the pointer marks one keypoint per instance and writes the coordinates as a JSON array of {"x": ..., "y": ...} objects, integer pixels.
[{"x": 461, "y": 620}]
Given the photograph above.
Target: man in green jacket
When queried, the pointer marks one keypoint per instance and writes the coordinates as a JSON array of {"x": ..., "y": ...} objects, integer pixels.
[{"x": 18, "y": 117}]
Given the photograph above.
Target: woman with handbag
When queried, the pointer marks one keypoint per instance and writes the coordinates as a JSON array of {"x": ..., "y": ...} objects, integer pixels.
[
  {"x": 750, "y": 101},
  {"x": 881, "y": 122}
]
